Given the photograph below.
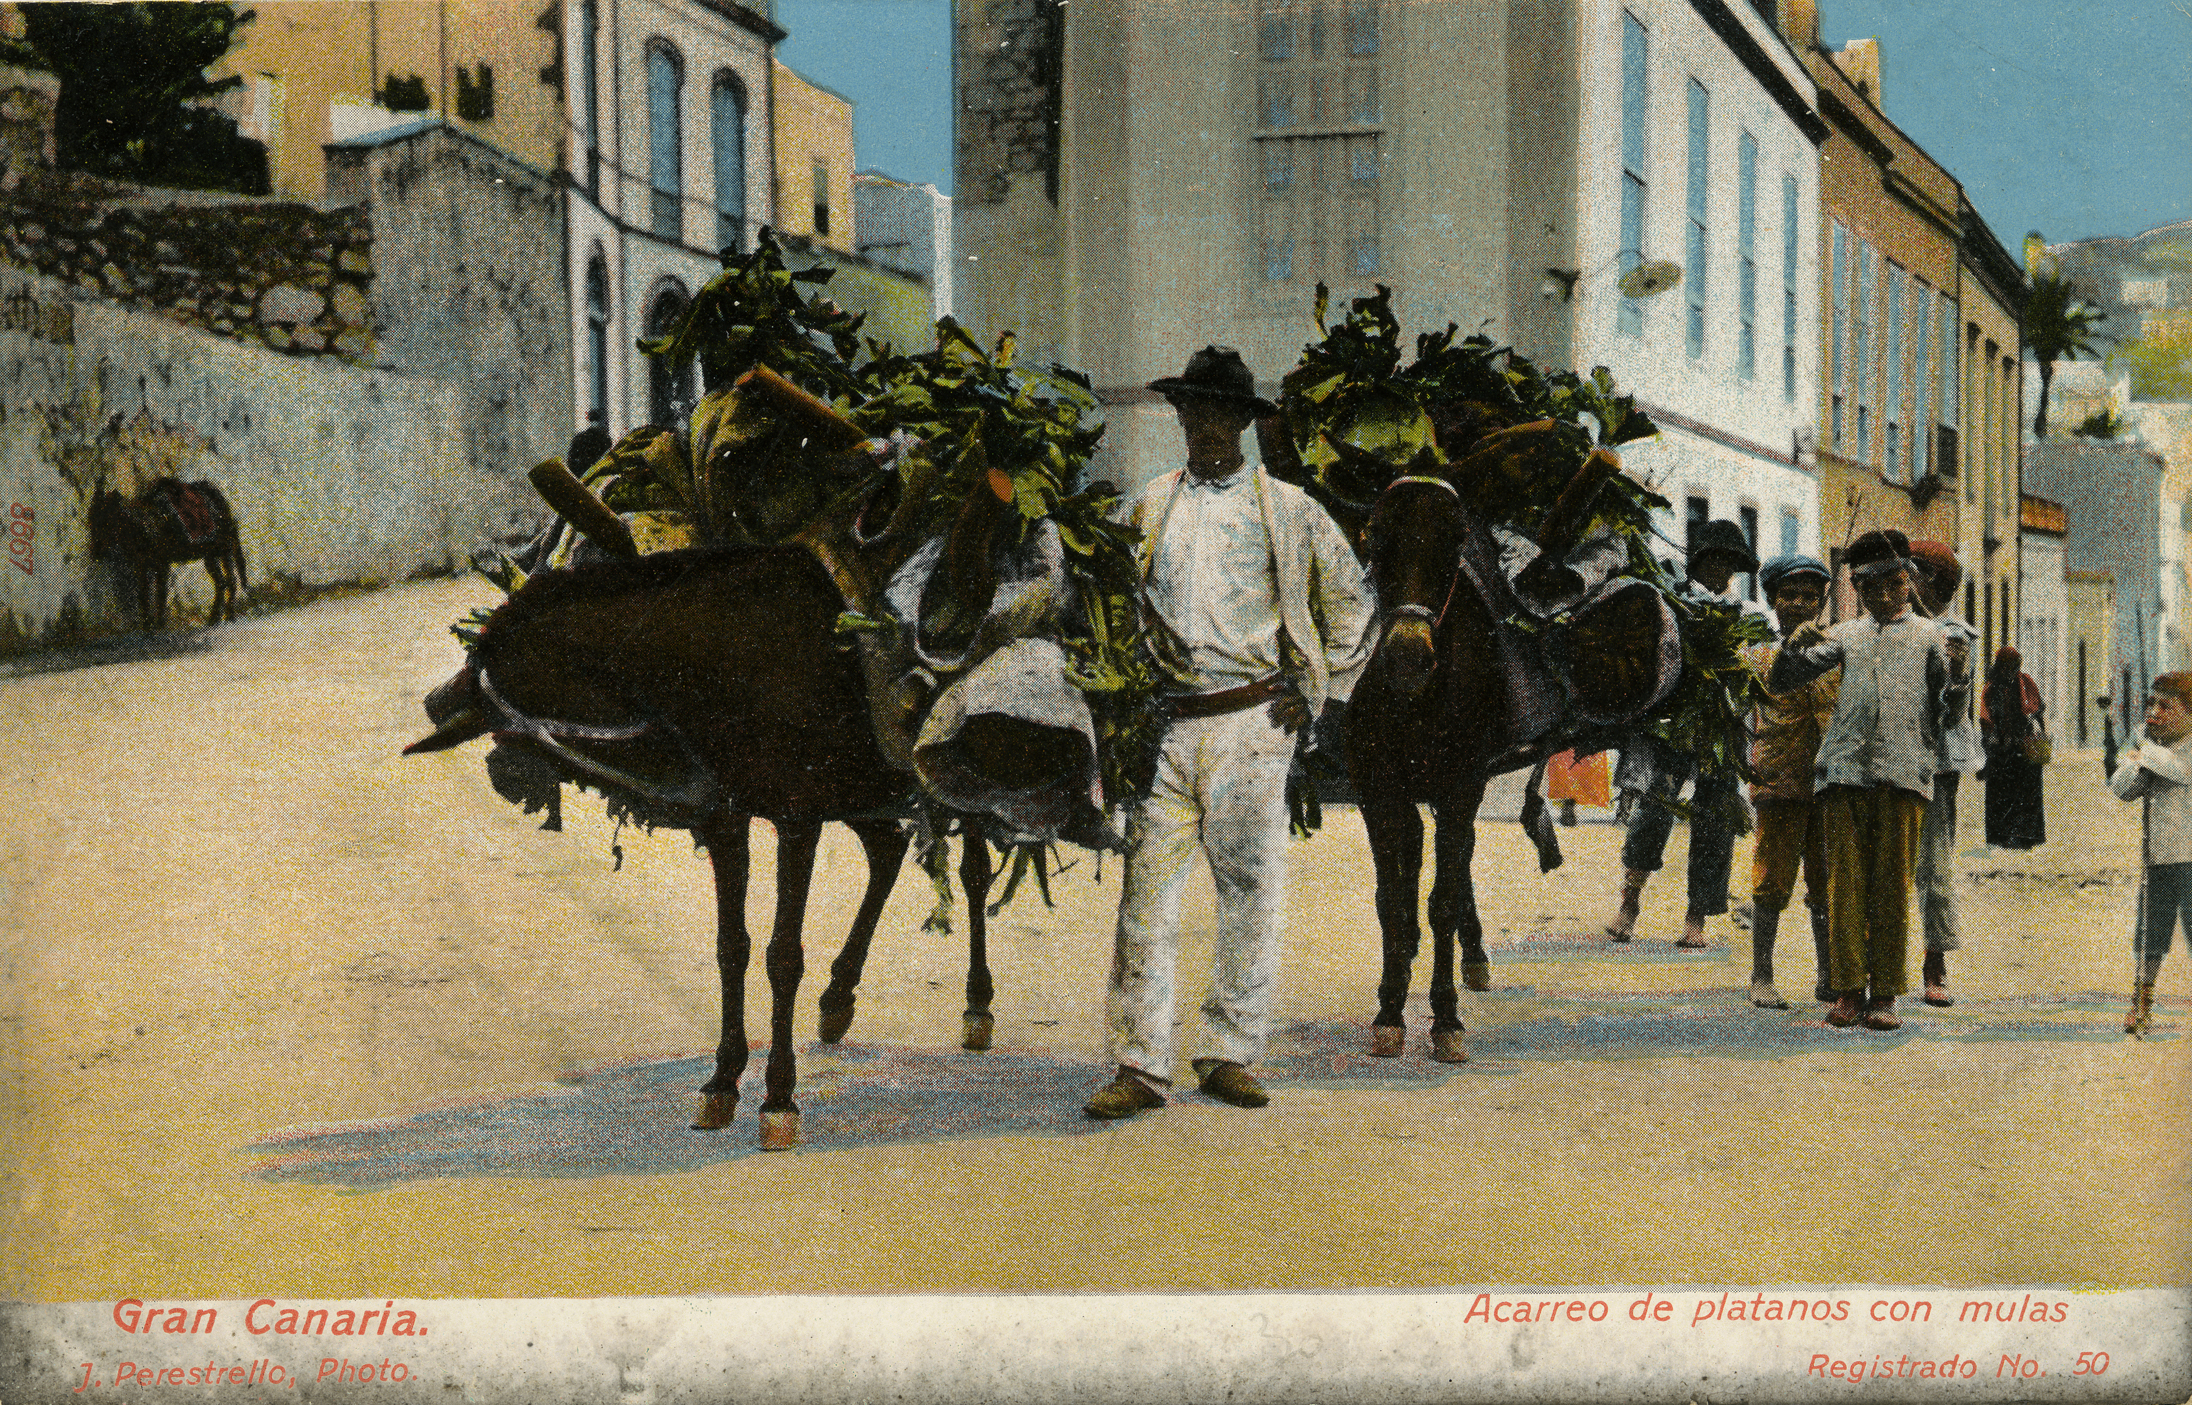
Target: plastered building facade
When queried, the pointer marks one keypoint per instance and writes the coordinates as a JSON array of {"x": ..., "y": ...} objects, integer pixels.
[{"x": 1138, "y": 179}]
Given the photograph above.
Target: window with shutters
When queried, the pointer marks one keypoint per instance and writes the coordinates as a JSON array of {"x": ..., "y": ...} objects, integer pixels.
[
  {"x": 597, "y": 337},
  {"x": 589, "y": 104},
  {"x": 1635, "y": 124},
  {"x": 1746, "y": 257},
  {"x": 1700, "y": 187},
  {"x": 1789, "y": 217},
  {"x": 727, "y": 121},
  {"x": 665, "y": 142},
  {"x": 1318, "y": 127}
]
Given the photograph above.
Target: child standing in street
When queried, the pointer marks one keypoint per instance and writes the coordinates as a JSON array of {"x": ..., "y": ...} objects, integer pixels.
[
  {"x": 1875, "y": 771},
  {"x": 1939, "y": 573},
  {"x": 1782, "y": 755},
  {"x": 2160, "y": 773}
]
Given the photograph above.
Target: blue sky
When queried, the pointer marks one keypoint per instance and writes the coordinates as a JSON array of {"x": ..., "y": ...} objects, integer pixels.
[{"x": 2073, "y": 117}]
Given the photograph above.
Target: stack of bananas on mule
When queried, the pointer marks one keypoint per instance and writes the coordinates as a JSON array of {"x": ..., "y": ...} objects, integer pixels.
[
  {"x": 1515, "y": 440},
  {"x": 805, "y": 423}
]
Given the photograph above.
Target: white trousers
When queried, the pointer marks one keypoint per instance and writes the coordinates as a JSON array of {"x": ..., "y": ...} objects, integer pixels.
[{"x": 1220, "y": 787}]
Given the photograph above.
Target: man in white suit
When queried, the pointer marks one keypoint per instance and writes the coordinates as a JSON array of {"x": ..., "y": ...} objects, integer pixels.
[{"x": 1257, "y": 603}]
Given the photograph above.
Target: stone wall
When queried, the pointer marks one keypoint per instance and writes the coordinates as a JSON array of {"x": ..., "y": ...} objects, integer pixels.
[
  {"x": 27, "y": 101},
  {"x": 1011, "y": 91},
  {"x": 289, "y": 277},
  {"x": 336, "y": 473},
  {"x": 470, "y": 284}
]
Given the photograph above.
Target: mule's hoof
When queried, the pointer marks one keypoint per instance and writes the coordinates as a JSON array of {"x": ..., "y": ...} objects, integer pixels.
[
  {"x": 1446, "y": 1047},
  {"x": 779, "y": 1129},
  {"x": 715, "y": 1111},
  {"x": 978, "y": 1029},
  {"x": 1387, "y": 1041},
  {"x": 833, "y": 1024},
  {"x": 1476, "y": 975}
]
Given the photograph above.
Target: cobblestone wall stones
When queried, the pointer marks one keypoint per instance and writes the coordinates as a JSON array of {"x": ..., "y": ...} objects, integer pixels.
[
  {"x": 285, "y": 276},
  {"x": 1012, "y": 70}
]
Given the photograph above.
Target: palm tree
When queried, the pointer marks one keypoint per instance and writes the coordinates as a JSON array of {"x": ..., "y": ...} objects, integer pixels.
[{"x": 2057, "y": 327}]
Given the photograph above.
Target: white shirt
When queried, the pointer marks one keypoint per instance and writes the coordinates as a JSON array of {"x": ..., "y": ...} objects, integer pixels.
[
  {"x": 1212, "y": 581},
  {"x": 2160, "y": 775}
]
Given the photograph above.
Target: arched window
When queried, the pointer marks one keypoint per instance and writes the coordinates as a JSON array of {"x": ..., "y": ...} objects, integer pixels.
[
  {"x": 727, "y": 113},
  {"x": 665, "y": 140},
  {"x": 597, "y": 338},
  {"x": 669, "y": 387}
]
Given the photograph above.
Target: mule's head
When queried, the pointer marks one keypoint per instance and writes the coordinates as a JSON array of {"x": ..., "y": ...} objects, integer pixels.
[{"x": 1413, "y": 551}]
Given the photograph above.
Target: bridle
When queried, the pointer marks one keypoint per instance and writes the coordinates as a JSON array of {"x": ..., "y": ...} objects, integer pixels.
[
  {"x": 1453, "y": 581},
  {"x": 549, "y": 735}
]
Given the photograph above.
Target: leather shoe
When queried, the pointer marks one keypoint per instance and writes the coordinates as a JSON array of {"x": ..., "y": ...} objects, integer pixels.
[
  {"x": 1126, "y": 1094},
  {"x": 1228, "y": 1082},
  {"x": 1882, "y": 1015},
  {"x": 1937, "y": 993},
  {"x": 1846, "y": 1011}
]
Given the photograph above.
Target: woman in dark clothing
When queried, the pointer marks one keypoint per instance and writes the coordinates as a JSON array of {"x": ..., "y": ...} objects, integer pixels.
[{"x": 2011, "y": 716}]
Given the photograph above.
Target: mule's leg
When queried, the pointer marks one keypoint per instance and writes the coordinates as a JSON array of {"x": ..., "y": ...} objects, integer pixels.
[
  {"x": 795, "y": 845},
  {"x": 884, "y": 842},
  {"x": 975, "y": 875},
  {"x": 1396, "y": 848},
  {"x": 729, "y": 855},
  {"x": 219, "y": 581},
  {"x": 159, "y": 595},
  {"x": 1453, "y": 890},
  {"x": 1454, "y": 912}
]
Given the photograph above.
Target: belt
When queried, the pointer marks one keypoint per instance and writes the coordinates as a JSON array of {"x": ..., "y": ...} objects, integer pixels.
[{"x": 1224, "y": 701}]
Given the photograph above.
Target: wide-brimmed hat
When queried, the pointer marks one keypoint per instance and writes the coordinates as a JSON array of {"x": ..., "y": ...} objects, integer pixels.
[
  {"x": 1878, "y": 553},
  {"x": 1216, "y": 373},
  {"x": 1792, "y": 567},
  {"x": 1724, "y": 536},
  {"x": 1938, "y": 560}
]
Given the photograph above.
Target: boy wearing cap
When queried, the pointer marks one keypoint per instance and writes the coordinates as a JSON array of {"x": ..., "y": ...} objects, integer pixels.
[
  {"x": 1258, "y": 605},
  {"x": 1718, "y": 553},
  {"x": 1875, "y": 771},
  {"x": 1939, "y": 573},
  {"x": 1783, "y": 752}
]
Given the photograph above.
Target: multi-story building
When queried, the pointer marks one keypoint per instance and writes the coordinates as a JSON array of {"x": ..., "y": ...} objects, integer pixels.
[
  {"x": 2116, "y": 522},
  {"x": 1916, "y": 423},
  {"x": 670, "y": 128},
  {"x": 1135, "y": 180},
  {"x": 1713, "y": 167},
  {"x": 668, "y": 122},
  {"x": 1990, "y": 441}
]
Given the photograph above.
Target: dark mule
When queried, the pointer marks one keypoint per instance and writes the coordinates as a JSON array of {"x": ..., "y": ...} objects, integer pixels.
[
  {"x": 703, "y": 688},
  {"x": 1422, "y": 727},
  {"x": 169, "y": 523}
]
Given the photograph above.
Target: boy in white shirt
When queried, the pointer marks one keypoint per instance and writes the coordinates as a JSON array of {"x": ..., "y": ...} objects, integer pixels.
[{"x": 2160, "y": 773}]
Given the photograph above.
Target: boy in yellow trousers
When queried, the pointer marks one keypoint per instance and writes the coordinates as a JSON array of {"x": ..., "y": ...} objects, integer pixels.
[{"x": 1875, "y": 771}]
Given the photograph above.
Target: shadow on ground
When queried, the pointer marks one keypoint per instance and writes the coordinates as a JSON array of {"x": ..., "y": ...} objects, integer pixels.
[
  {"x": 631, "y": 1119},
  {"x": 180, "y": 642}
]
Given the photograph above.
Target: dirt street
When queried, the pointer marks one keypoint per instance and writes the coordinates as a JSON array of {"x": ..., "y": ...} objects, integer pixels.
[{"x": 286, "y": 1013}]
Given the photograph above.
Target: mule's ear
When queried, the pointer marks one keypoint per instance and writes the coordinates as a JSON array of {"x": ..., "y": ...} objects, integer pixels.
[{"x": 474, "y": 721}]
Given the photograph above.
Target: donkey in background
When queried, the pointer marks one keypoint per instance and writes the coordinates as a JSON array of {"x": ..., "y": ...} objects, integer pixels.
[{"x": 170, "y": 522}]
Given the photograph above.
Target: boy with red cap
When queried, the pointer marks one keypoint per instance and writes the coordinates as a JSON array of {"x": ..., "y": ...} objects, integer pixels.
[{"x": 1875, "y": 771}]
